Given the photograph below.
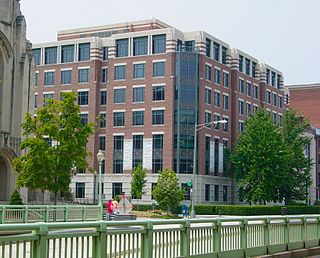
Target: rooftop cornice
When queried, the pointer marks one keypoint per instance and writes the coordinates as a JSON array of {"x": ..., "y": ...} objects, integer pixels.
[{"x": 303, "y": 86}]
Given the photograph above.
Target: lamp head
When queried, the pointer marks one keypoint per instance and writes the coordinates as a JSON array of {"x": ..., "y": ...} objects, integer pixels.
[{"x": 100, "y": 156}]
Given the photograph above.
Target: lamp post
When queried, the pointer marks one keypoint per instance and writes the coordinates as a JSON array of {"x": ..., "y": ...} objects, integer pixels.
[
  {"x": 196, "y": 129},
  {"x": 100, "y": 157},
  {"x": 94, "y": 187}
]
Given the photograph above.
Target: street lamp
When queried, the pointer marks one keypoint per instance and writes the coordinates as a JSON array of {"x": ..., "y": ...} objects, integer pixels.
[
  {"x": 196, "y": 129},
  {"x": 100, "y": 157}
]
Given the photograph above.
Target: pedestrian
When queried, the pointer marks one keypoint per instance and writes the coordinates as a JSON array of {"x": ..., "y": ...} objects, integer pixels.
[
  {"x": 115, "y": 206},
  {"x": 109, "y": 209}
]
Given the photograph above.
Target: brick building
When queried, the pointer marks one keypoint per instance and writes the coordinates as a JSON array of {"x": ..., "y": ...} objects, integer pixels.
[{"x": 150, "y": 84}]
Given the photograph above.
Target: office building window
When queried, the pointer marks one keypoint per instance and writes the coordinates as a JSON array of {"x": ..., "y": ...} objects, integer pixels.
[
  {"x": 225, "y": 193},
  {"x": 208, "y": 72},
  {"x": 217, "y": 76},
  {"x": 278, "y": 81},
  {"x": 157, "y": 117},
  {"x": 207, "y": 154},
  {"x": 84, "y": 52},
  {"x": 46, "y": 98},
  {"x": 66, "y": 77},
  {"x": 226, "y": 80},
  {"x": 158, "y": 44},
  {"x": 138, "y": 117},
  {"x": 118, "y": 119},
  {"x": 120, "y": 72},
  {"x": 83, "y": 98},
  {"x": 122, "y": 47},
  {"x": 280, "y": 101},
  {"x": 104, "y": 75},
  {"x": 225, "y": 126},
  {"x": 240, "y": 63},
  {"x": 268, "y": 97},
  {"x": 208, "y": 47},
  {"x": 103, "y": 120},
  {"x": 83, "y": 75},
  {"x": 225, "y": 157},
  {"x": 119, "y": 96},
  {"x": 241, "y": 107},
  {"x": 48, "y": 78},
  {"x": 216, "y": 49},
  {"x": 224, "y": 55},
  {"x": 273, "y": 79},
  {"x": 248, "y": 89},
  {"x": 253, "y": 69},
  {"x": 248, "y": 107},
  {"x": 189, "y": 45},
  {"x": 138, "y": 94},
  {"x": 102, "y": 143},
  {"x": 36, "y": 83},
  {"x": 280, "y": 119},
  {"x": 139, "y": 71},
  {"x": 225, "y": 102},
  {"x": 103, "y": 97},
  {"x": 84, "y": 118},
  {"x": 140, "y": 46},
  {"x": 157, "y": 152},
  {"x": 35, "y": 100},
  {"x": 80, "y": 190},
  {"x": 207, "y": 119},
  {"x": 247, "y": 66},
  {"x": 216, "y": 156},
  {"x": 216, "y": 193},
  {"x": 118, "y": 154},
  {"x": 50, "y": 54},
  {"x": 241, "y": 127},
  {"x": 158, "y": 93},
  {"x": 274, "y": 99},
  {"x": 217, "y": 99},
  {"x": 207, "y": 96},
  {"x": 105, "y": 53},
  {"x": 159, "y": 69},
  {"x": 67, "y": 54},
  {"x": 268, "y": 76},
  {"x": 137, "y": 150},
  {"x": 216, "y": 118},
  {"x": 274, "y": 118},
  {"x": 116, "y": 189},
  {"x": 207, "y": 193},
  {"x": 255, "y": 91},
  {"x": 36, "y": 55},
  {"x": 241, "y": 86}
]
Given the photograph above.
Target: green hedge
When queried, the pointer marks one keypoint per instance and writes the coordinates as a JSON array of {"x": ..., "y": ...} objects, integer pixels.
[{"x": 148, "y": 207}]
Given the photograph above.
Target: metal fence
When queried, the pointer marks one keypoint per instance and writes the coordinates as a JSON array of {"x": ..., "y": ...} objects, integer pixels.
[{"x": 216, "y": 237}]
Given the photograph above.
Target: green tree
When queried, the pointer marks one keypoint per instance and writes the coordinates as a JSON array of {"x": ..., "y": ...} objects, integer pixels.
[
  {"x": 258, "y": 158},
  {"x": 294, "y": 181},
  {"x": 15, "y": 198},
  {"x": 138, "y": 182},
  {"x": 167, "y": 191},
  {"x": 47, "y": 166}
]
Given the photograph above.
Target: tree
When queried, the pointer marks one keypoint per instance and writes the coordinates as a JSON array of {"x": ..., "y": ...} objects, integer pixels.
[
  {"x": 15, "y": 198},
  {"x": 55, "y": 142},
  {"x": 167, "y": 191},
  {"x": 294, "y": 181},
  {"x": 258, "y": 158},
  {"x": 138, "y": 182}
]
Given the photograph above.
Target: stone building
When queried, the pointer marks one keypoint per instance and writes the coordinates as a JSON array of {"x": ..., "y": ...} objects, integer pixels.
[{"x": 16, "y": 81}]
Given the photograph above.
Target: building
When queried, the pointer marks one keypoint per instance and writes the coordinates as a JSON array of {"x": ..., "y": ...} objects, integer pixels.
[
  {"x": 16, "y": 89},
  {"x": 150, "y": 84}
]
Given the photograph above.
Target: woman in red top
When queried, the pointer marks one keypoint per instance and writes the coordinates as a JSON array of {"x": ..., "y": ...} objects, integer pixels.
[{"x": 109, "y": 208}]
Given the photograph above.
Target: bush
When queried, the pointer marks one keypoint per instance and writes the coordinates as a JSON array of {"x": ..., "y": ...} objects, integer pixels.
[
  {"x": 148, "y": 207},
  {"x": 15, "y": 198}
]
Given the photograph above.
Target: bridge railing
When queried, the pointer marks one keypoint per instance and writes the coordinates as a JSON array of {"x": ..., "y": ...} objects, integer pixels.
[
  {"x": 48, "y": 213},
  {"x": 216, "y": 237}
]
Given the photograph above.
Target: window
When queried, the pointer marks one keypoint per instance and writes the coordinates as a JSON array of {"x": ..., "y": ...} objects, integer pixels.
[
  {"x": 37, "y": 55},
  {"x": 225, "y": 102},
  {"x": 207, "y": 119},
  {"x": 36, "y": 83},
  {"x": 102, "y": 143},
  {"x": 189, "y": 45},
  {"x": 226, "y": 80},
  {"x": 255, "y": 109},
  {"x": 119, "y": 96},
  {"x": 255, "y": 91},
  {"x": 137, "y": 150},
  {"x": 118, "y": 118},
  {"x": 248, "y": 108},
  {"x": 120, "y": 72},
  {"x": 103, "y": 97},
  {"x": 280, "y": 101},
  {"x": 116, "y": 189},
  {"x": 66, "y": 77},
  {"x": 208, "y": 47},
  {"x": 122, "y": 47},
  {"x": 105, "y": 53},
  {"x": 118, "y": 154},
  {"x": 67, "y": 54},
  {"x": 268, "y": 76},
  {"x": 280, "y": 119},
  {"x": 207, "y": 154},
  {"x": 139, "y": 71},
  {"x": 83, "y": 75},
  {"x": 217, "y": 76},
  {"x": 225, "y": 126},
  {"x": 80, "y": 190},
  {"x": 35, "y": 100},
  {"x": 48, "y": 78},
  {"x": 103, "y": 120},
  {"x": 216, "y": 51},
  {"x": 278, "y": 81},
  {"x": 157, "y": 152},
  {"x": 287, "y": 99},
  {"x": 84, "y": 118},
  {"x": 241, "y": 107},
  {"x": 158, "y": 93},
  {"x": 253, "y": 69},
  {"x": 216, "y": 156},
  {"x": 159, "y": 69},
  {"x": 268, "y": 97},
  {"x": 138, "y": 94},
  {"x": 83, "y": 98},
  {"x": 84, "y": 52},
  {"x": 273, "y": 79},
  {"x": 241, "y": 127},
  {"x": 240, "y": 63},
  {"x": 224, "y": 55},
  {"x": 225, "y": 193},
  {"x": 158, "y": 44},
  {"x": 104, "y": 75},
  {"x": 50, "y": 54},
  {"x": 216, "y": 118},
  {"x": 216, "y": 193},
  {"x": 217, "y": 99},
  {"x": 241, "y": 86},
  {"x": 138, "y": 117},
  {"x": 157, "y": 117},
  {"x": 207, "y": 96},
  {"x": 274, "y": 118},
  {"x": 247, "y": 66},
  {"x": 274, "y": 99},
  {"x": 207, "y": 193},
  {"x": 248, "y": 89},
  {"x": 46, "y": 98},
  {"x": 208, "y": 72},
  {"x": 140, "y": 46}
]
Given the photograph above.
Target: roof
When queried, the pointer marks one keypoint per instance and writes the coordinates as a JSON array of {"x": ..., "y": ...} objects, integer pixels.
[{"x": 303, "y": 86}]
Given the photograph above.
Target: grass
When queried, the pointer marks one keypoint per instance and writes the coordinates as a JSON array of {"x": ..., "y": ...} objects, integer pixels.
[{"x": 157, "y": 214}]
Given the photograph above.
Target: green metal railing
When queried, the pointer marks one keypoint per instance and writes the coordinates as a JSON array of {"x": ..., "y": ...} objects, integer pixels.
[
  {"x": 49, "y": 213},
  {"x": 216, "y": 237}
]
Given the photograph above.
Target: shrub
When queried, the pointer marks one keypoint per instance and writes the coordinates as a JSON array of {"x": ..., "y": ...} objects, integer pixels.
[{"x": 15, "y": 198}]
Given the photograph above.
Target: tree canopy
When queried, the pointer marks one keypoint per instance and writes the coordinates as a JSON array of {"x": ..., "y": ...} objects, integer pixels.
[{"x": 138, "y": 182}]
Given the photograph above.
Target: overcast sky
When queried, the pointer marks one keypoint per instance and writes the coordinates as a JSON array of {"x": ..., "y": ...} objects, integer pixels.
[{"x": 282, "y": 33}]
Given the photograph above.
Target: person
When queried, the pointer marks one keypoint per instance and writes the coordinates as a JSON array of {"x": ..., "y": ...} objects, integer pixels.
[
  {"x": 109, "y": 209},
  {"x": 115, "y": 205}
]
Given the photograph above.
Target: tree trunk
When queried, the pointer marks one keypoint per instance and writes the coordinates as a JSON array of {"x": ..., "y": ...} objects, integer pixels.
[{"x": 55, "y": 198}]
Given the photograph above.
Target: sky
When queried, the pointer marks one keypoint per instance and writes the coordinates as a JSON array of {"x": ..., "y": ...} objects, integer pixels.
[{"x": 282, "y": 33}]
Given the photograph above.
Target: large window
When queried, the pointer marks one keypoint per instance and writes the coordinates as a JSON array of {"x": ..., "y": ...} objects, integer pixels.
[
  {"x": 140, "y": 46},
  {"x": 248, "y": 89},
  {"x": 103, "y": 120},
  {"x": 137, "y": 150},
  {"x": 83, "y": 75},
  {"x": 216, "y": 118},
  {"x": 158, "y": 44},
  {"x": 36, "y": 79},
  {"x": 268, "y": 97},
  {"x": 46, "y": 98},
  {"x": 35, "y": 100},
  {"x": 189, "y": 45},
  {"x": 80, "y": 190},
  {"x": 217, "y": 76},
  {"x": 102, "y": 142},
  {"x": 217, "y": 99},
  {"x": 104, "y": 75},
  {"x": 274, "y": 99},
  {"x": 224, "y": 55},
  {"x": 207, "y": 119},
  {"x": 240, "y": 63},
  {"x": 226, "y": 80},
  {"x": 248, "y": 109},
  {"x": 118, "y": 118},
  {"x": 208, "y": 47},
  {"x": 50, "y": 54},
  {"x": 83, "y": 98},
  {"x": 84, "y": 118},
  {"x": 207, "y": 96},
  {"x": 241, "y": 107},
  {"x": 273, "y": 79},
  {"x": 241, "y": 86},
  {"x": 138, "y": 117},
  {"x": 216, "y": 49},
  {"x": 225, "y": 102},
  {"x": 84, "y": 52},
  {"x": 208, "y": 72},
  {"x": 159, "y": 69},
  {"x": 37, "y": 55},
  {"x": 103, "y": 97},
  {"x": 139, "y": 71},
  {"x": 157, "y": 117},
  {"x": 157, "y": 153},
  {"x": 225, "y": 126},
  {"x": 255, "y": 91},
  {"x": 119, "y": 96},
  {"x": 66, "y": 77},
  {"x": 253, "y": 69},
  {"x": 49, "y": 78},
  {"x": 116, "y": 189},
  {"x": 138, "y": 94},
  {"x": 122, "y": 47},
  {"x": 105, "y": 53},
  {"x": 158, "y": 93},
  {"x": 120, "y": 72},
  {"x": 280, "y": 101},
  {"x": 67, "y": 54},
  {"x": 118, "y": 154},
  {"x": 207, "y": 193},
  {"x": 247, "y": 66}
]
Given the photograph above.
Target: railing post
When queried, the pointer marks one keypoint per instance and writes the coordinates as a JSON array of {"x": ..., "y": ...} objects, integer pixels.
[
  {"x": 40, "y": 246},
  {"x": 100, "y": 241},
  {"x": 185, "y": 240},
  {"x": 267, "y": 234},
  {"x": 243, "y": 237},
  {"x": 303, "y": 231},
  {"x": 84, "y": 218},
  {"x": 66, "y": 213},
  {"x": 217, "y": 237},
  {"x": 147, "y": 241},
  {"x": 2, "y": 215},
  {"x": 46, "y": 218},
  {"x": 26, "y": 214},
  {"x": 286, "y": 231},
  {"x": 318, "y": 228}
]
